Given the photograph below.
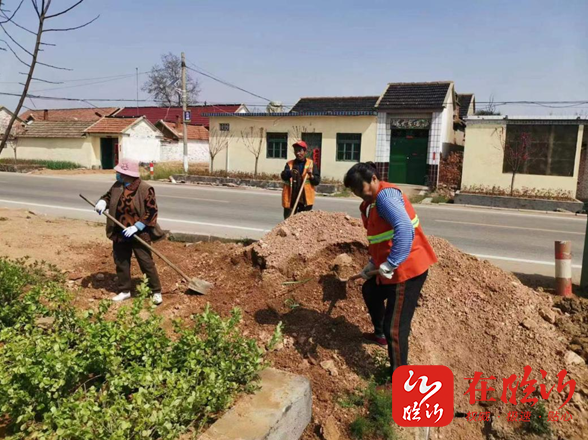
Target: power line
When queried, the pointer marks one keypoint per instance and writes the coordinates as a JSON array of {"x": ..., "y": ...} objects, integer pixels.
[
  {"x": 226, "y": 83},
  {"x": 56, "y": 98}
]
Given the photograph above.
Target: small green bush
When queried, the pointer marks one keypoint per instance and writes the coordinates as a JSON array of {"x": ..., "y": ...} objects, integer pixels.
[
  {"x": 89, "y": 376},
  {"x": 50, "y": 164},
  {"x": 539, "y": 423}
]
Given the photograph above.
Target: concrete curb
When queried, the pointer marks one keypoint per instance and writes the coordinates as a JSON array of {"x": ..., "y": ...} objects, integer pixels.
[
  {"x": 281, "y": 409},
  {"x": 542, "y": 205},
  {"x": 187, "y": 237}
]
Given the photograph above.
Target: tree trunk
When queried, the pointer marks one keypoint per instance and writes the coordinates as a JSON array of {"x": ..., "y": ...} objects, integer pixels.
[
  {"x": 256, "y": 162},
  {"x": 512, "y": 184},
  {"x": 27, "y": 83},
  {"x": 211, "y": 164}
]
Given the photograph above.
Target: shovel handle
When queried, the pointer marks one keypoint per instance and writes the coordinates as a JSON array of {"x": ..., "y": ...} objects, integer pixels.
[
  {"x": 144, "y": 243},
  {"x": 358, "y": 276},
  {"x": 299, "y": 194}
]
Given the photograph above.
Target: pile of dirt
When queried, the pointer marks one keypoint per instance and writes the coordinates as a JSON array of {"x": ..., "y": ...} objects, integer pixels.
[{"x": 472, "y": 317}]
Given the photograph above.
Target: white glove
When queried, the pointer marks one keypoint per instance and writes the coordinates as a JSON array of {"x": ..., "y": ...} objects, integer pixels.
[
  {"x": 368, "y": 268},
  {"x": 386, "y": 270},
  {"x": 100, "y": 207},
  {"x": 130, "y": 231}
]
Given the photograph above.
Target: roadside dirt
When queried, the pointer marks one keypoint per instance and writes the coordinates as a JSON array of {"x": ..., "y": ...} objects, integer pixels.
[{"x": 472, "y": 316}]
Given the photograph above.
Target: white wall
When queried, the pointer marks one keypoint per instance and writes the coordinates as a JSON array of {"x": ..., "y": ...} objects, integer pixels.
[
  {"x": 142, "y": 143},
  {"x": 174, "y": 151},
  {"x": 78, "y": 150},
  {"x": 4, "y": 119}
]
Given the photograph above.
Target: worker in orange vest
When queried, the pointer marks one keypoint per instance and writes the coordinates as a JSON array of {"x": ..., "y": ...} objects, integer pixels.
[
  {"x": 401, "y": 254},
  {"x": 293, "y": 176}
]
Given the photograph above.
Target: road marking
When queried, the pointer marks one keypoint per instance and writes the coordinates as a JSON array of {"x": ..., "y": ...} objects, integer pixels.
[
  {"x": 194, "y": 198},
  {"x": 509, "y": 227},
  {"x": 40, "y": 205},
  {"x": 190, "y": 222},
  {"x": 522, "y": 260},
  {"x": 482, "y": 210}
]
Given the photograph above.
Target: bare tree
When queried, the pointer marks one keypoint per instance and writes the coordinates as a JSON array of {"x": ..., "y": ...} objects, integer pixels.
[
  {"x": 516, "y": 154},
  {"x": 218, "y": 141},
  {"x": 164, "y": 83},
  {"x": 253, "y": 144},
  {"x": 490, "y": 109},
  {"x": 42, "y": 11},
  {"x": 297, "y": 130}
]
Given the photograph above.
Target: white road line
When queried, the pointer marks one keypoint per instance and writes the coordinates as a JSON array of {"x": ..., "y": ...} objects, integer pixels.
[
  {"x": 190, "y": 222},
  {"x": 522, "y": 260},
  {"x": 489, "y": 211},
  {"x": 509, "y": 227},
  {"x": 40, "y": 205},
  {"x": 163, "y": 196}
]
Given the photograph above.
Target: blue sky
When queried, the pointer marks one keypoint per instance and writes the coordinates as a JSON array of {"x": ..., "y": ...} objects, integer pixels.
[{"x": 513, "y": 50}]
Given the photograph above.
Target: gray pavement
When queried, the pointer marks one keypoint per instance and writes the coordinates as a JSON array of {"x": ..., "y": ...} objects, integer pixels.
[{"x": 517, "y": 241}]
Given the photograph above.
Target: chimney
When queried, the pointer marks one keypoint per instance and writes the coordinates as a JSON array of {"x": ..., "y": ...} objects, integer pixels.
[
  {"x": 177, "y": 122},
  {"x": 45, "y": 115}
]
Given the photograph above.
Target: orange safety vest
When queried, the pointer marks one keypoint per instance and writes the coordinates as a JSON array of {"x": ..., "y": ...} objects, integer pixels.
[
  {"x": 308, "y": 187},
  {"x": 381, "y": 235}
]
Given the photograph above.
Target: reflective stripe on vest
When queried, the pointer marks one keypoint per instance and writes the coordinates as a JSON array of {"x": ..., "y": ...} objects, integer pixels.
[{"x": 389, "y": 235}]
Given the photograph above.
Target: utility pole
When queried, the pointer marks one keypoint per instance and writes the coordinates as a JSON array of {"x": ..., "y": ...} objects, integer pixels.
[
  {"x": 137, "y": 70},
  {"x": 185, "y": 109}
]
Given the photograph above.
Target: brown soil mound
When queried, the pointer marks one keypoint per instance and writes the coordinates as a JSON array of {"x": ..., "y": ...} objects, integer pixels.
[{"x": 473, "y": 317}]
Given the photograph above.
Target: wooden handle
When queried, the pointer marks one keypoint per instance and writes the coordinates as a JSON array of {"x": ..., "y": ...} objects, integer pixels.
[
  {"x": 299, "y": 194},
  {"x": 144, "y": 243},
  {"x": 358, "y": 276}
]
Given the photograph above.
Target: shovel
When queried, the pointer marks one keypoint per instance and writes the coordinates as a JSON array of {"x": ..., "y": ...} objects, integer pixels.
[
  {"x": 299, "y": 194},
  {"x": 357, "y": 276},
  {"x": 194, "y": 284}
]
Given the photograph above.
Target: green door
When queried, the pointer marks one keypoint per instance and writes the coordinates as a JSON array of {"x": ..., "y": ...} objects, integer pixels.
[
  {"x": 408, "y": 156},
  {"x": 107, "y": 153}
]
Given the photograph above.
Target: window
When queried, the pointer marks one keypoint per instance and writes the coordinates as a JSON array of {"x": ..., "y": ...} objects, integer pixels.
[
  {"x": 277, "y": 145},
  {"x": 348, "y": 146},
  {"x": 224, "y": 127},
  {"x": 315, "y": 143},
  {"x": 550, "y": 151}
]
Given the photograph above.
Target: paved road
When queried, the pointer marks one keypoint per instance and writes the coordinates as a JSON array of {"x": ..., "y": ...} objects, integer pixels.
[{"x": 516, "y": 241}]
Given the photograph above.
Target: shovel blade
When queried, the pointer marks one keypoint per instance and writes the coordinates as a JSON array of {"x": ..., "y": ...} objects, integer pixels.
[{"x": 199, "y": 286}]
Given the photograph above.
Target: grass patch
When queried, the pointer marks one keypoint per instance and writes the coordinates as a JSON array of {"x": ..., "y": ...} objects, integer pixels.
[
  {"x": 49, "y": 164},
  {"x": 418, "y": 198},
  {"x": 378, "y": 419},
  {"x": 351, "y": 400},
  {"x": 112, "y": 374},
  {"x": 291, "y": 303},
  {"x": 539, "y": 421},
  {"x": 440, "y": 199}
]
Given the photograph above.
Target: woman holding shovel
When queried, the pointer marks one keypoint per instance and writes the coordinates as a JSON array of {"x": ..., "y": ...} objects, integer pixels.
[
  {"x": 399, "y": 252},
  {"x": 299, "y": 175},
  {"x": 132, "y": 202}
]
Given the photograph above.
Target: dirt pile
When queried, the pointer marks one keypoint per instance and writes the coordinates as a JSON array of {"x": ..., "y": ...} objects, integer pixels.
[{"x": 473, "y": 316}]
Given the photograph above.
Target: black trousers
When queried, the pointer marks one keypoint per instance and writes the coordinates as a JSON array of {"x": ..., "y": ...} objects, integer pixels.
[
  {"x": 299, "y": 208},
  {"x": 391, "y": 307},
  {"x": 122, "y": 253}
]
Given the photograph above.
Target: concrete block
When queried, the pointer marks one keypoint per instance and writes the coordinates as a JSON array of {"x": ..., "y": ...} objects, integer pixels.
[{"x": 280, "y": 410}]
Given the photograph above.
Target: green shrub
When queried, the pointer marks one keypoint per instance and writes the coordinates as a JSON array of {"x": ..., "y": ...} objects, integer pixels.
[
  {"x": 539, "y": 423},
  {"x": 88, "y": 377},
  {"x": 378, "y": 421},
  {"x": 50, "y": 164}
]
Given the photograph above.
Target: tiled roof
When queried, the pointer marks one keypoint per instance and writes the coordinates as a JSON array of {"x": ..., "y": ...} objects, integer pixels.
[
  {"x": 464, "y": 100},
  {"x": 335, "y": 104},
  {"x": 55, "y": 129},
  {"x": 406, "y": 96},
  {"x": 195, "y": 132},
  {"x": 112, "y": 125},
  {"x": 154, "y": 114},
  {"x": 69, "y": 114}
]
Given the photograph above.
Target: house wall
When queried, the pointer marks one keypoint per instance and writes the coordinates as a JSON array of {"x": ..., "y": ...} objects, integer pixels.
[
  {"x": 174, "y": 151},
  {"x": 582, "y": 193},
  {"x": 142, "y": 143},
  {"x": 78, "y": 150},
  {"x": 240, "y": 159},
  {"x": 483, "y": 160},
  {"x": 4, "y": 120}
]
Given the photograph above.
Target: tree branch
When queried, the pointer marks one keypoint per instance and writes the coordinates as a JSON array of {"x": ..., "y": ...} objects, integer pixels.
[
  {"x": 14, "y": 53},
  {"x": 36, "y": 6},
  {"x": 65, "y": 11},
  {"x": 19, "y": 26},
  {"x": 42, "y": 80},
  {"x": 74, "y": 28},
  {"x": 13, "y": 14},
  {"x": 14, "y": 41}
]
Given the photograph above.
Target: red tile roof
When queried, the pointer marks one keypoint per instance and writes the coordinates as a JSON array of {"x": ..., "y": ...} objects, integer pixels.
[
  {"x": 69, "y": 114},
  {"x": 170, "y": 114},
  {"x": 195, "y": 132},
  {"x": 112, "y": 125}
]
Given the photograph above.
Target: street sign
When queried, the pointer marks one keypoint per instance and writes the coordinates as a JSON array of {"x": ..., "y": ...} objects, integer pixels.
[{"x": 187, "y": 116}]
